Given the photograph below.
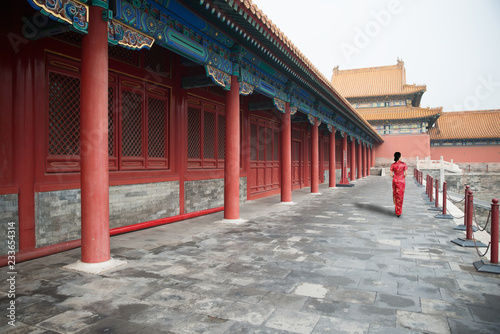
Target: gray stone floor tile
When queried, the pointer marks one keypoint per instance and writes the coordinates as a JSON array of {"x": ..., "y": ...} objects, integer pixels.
[
  {"x": 379, "y": 329},
  {"x": 341, "y": 281},
  {"x": 249, "y": 313},
  {"x": 331, "y": 325},
  {"x": 485, "y": 314},
  {"x": 353, "y": 296},
  {"x": 202, "y": 324},
  {"x": 286, "y": 285},
  {"x": 378, "y": 285},
  {"x": 70, "y": 321},
  {"x": 372, "y": 314},
  {"x": 464, "y": 297},
  {"x": 407, "y": 303},
  {"x": 114, "y": 325},
  {"x": 406, "y": 289},
  {"x": 329, "y": 308},
  {"x": 462, "y": 326},
  {"x": 292, "y": 321},
  {"x": 248, "y": 295},
  {"x": 245, "y": 328},
  {"x": 21, "y": 328},
  {"x": 446, "y": 309},
  {"x": 285, "y": 301},
  {"x": 341, "y": 258},
  {"x": 426, "y": 323},
  {"x": 438, "y": 282}
]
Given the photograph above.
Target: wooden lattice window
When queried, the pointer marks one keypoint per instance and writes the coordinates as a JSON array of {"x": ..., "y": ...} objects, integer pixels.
[
  {"x": 63, "y": 115},
  {"x": 264, "y": 140},
  {"x": 206, "y": 134},
  {"x": 137, "y": 120},
  {"x": 144, "y": 125}
]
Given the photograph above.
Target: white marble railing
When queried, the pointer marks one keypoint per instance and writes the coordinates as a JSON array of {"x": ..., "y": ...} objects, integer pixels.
[{"x": 427, "y": 163}]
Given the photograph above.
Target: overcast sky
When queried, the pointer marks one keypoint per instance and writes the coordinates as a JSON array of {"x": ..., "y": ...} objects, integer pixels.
[{"x": 452, "y": 46}]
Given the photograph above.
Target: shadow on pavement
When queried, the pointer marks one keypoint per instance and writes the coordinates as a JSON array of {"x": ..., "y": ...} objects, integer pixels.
[{"x": 376, "y": 208}]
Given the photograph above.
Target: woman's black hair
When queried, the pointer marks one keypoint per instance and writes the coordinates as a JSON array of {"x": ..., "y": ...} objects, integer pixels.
[{"x": 397, "y": 155}]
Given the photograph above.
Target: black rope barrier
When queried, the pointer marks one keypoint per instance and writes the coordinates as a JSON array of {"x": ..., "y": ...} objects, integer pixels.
[{"x": 487, "y": 221}]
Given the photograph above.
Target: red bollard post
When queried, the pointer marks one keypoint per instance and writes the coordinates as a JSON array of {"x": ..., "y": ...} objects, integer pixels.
[
  {"x": 494, "y": 231},
  {"x": 437, "y": 193},
  {"x": 444, "y": 215},
  {"x": 430, "y": 189},
  {"x": 436, "y": 202},
  {"x": 492, "y": 266},
  {"x": 427, "y": 185},
  {"x": 470, "y": 211},
  {"x": 469, "y": 239},
  {"x": 445, "y": 196},
  {"x": 464, "y": 226}
]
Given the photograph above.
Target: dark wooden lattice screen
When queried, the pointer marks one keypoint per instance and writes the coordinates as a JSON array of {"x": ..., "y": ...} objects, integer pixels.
[
  {"x": 276, "y": 146},
  {"x": 138, "y": 114},
  {"x": 206, "y": 134},
  {"x": 269, "y": 144},
  {"x": 131, "y": 124},
  {"x": 156, "y": 128},
  {"x": 253, "y": 142},
  {"x": 222, "y": 137},
  {"x": 194, "y": 130},
  {"x": 64, "y": 114}
]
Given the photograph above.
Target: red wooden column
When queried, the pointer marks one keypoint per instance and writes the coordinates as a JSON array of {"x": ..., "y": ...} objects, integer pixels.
[
  {"x": 353, "y": 159},
  {"x": 314, "y": 158},
  {"x": 343, "y": 177},
  {"x": 365, "y": 160},
  {"x": 94, "y": 140},
  {"x": 232, "y": 146},
  {"x": 286, "y": 155},
  {"x": 360, "y": 160},
  {"x": 331, "y": 163}
]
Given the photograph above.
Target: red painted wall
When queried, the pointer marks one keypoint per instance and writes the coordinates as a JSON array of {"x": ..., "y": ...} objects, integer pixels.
[
  {"x": 410, "y": 146},
  {"x": 467, "y": 154}
]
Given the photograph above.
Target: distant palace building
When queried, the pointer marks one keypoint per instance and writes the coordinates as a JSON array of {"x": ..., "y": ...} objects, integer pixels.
[
  {"x": 382, "y": 96},
  {"x": 467, "y": 137}
]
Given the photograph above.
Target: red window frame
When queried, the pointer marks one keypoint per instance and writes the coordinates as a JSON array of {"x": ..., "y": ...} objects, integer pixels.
[
  {"x": 153, "y": 99},
  {"x": 205, "y": 133}
]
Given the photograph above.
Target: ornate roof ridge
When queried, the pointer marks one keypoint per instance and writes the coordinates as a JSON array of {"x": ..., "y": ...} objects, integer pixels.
[
  {"x": 457, "y": 113},
  {"x": 264, "y": 19}
]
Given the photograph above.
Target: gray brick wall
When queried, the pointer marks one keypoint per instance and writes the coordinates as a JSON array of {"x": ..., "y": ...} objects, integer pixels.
[
  {"x": 58, "y": 218},
  {"x": 137, "y": 203},
  {"x": 208, "y": 194},
  {"x": 8, "y": 213}
]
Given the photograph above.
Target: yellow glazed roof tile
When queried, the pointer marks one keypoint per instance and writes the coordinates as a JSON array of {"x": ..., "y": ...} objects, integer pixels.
[
  {"x": 479, "y": 124},
  {"x": 374, "y": 81},
  {"x": 399, "y": 113}
]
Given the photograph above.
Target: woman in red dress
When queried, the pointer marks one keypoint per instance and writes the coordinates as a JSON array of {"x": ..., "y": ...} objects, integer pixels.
[{"x": 398, "y": 174}]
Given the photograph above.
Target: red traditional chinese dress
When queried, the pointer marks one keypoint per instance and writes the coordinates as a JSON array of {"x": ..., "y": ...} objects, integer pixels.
[{"x": 398, "y": 185}]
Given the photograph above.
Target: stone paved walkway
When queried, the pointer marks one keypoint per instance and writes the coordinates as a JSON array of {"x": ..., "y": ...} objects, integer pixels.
[{"x": 338, "y": 262}]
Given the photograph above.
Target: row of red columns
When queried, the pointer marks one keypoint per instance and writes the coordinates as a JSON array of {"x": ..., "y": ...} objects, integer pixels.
[{"x": 94, "y": 155}]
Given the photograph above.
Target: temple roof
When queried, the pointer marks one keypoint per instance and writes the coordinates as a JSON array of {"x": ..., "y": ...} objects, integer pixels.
[
  {"x": 400, "y": 113},
  {"x": 479, "y": 124},
  {"x": 374, "y": 81},
  {"x": 274, "y": 34}
]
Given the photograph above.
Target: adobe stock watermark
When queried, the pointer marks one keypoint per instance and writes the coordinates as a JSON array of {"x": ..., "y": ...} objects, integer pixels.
[
  {"x": 364, "y": 36},
  {"x": 483, "y": 91}
]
